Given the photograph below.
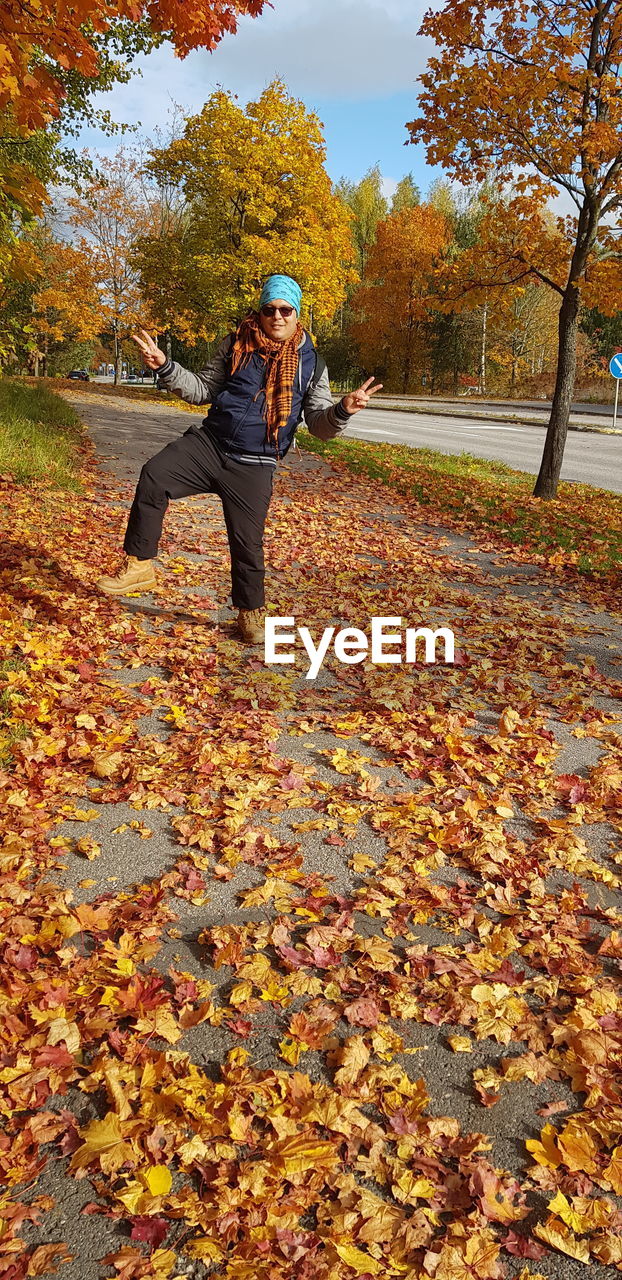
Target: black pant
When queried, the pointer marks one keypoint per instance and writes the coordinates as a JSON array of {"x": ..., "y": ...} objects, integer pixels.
[{"x": 194, "y": 464}]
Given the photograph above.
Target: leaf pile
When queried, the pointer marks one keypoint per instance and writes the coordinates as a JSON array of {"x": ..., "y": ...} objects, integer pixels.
[
  {"x": 579, "y": 532},
  {"x": 475, "y": 907}
]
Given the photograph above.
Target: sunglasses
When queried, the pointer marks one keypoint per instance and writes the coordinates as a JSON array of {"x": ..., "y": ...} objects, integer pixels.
[{"x": 277, "y": 311}]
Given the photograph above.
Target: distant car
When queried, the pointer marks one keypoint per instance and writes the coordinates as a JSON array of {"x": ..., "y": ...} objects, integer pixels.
[
  {"x": 133, "y": 377},
  {"x": 79, "y": 375}
]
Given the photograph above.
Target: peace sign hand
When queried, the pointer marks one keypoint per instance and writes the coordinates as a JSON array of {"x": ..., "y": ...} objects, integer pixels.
[
  {"x": 356, "y": 400},
  {"x": 152, "y": 356}
]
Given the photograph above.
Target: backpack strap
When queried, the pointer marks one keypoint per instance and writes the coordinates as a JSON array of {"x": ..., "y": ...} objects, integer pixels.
[
  {"x": 229, "y": 351},
  {"x": 318, "y": 369}
]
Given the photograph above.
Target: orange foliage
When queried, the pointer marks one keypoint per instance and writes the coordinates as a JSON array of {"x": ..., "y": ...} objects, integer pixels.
[
  {"x": 397, "y": 292},
  {"x": 530, "y": 92},
  {"x": 111, "y": 216},
  {"x": 32, "y": 85},
  {"x": 67, "y": 304}
]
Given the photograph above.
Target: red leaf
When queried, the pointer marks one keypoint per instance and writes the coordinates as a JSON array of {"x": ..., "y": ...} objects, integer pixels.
[
  {"x": 364, "y": 1012},
  {"x": 20, "y": 956},
  {"x": 523, "y": 1247},
  {"x": 574, "y": 788},
  {"x": 241, "y": 1026},
  {"x": 324, "y": 957},
  {"x": 152, "y": 1230},
  {"x": 292, "y": 782},
  {"x": 293, "y": 957}
]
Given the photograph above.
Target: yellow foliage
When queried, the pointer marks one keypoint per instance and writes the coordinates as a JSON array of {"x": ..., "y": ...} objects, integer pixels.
[{"x": 258, "y": 200}]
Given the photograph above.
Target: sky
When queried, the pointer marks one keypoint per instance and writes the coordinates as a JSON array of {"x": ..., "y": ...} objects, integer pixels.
[{"x": 354, "y": 62}]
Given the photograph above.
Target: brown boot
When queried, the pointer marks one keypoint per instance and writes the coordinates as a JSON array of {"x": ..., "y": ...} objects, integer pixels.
[
  {"x": 251, "y": 625},
  {"x": 139, "y": 575}
]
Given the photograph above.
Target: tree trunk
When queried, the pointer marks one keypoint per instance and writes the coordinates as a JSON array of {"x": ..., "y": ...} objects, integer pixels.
[
  {"x": 548, "y": 476},
  {"x": 482, "y": 358},
  {"x": 117, "y": 358},
  {"x": 169, "y": 349}
]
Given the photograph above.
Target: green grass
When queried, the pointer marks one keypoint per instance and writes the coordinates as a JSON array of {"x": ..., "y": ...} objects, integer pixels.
[
  {"x": 11, "y": 731},
  {"x": 40, "y": 436},
  {"x": 581, "y": 528}
]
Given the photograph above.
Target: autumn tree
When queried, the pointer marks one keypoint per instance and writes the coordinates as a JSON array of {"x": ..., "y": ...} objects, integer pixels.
[
  {"x": 523, "y": 332},
  {"x": 604, "y": 332},
  {"x": 369, "y": 206},
  {"x": 458, "y": 322},
  {"x": 532, "y": 90},
  {"x": 65, "y": 305},
  {"x": 45, "y": 43},
  {"x": 406, "y": 194},
  {"x": 256, "y": 199},
  {"x": 19, "y": 271},
  {"x": 394, "y": 299},
  {"x": 109, "y": 217}
]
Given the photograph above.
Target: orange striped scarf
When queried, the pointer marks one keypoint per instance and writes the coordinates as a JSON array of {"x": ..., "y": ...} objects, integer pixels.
[{"x": 282, "y": 361}]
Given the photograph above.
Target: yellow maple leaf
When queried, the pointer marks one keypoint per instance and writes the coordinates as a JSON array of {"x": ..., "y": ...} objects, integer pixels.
[
  {"x": 291, "y": 1050},
  {"x": 299, "y": 1153},
  {"x": 460, "y": 1044},
  {"x": 103, "y": 1141},
  {"x": 89, "y": 847},
  {"x": 361, "y": 1263},
  {"x": 545, "y": 1151},
  {"x": 555, "y": 1233},
  {"x": 131, "y": 1196},
  {"x": 159, "y": 1179},
  {"x": 59, "y": 1029},
  {"x": 353, "y": 1056},
  {"x": 584, "y": 1214},
  {"x": 613, "y": 1171},
  {"x": 107, "y": 763},
  {"x": 86, "y": 721},
  {"x": 204, "y": 1249}
]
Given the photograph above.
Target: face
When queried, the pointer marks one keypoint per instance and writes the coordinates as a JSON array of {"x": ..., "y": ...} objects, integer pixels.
[{"x": 279, "y": 327}]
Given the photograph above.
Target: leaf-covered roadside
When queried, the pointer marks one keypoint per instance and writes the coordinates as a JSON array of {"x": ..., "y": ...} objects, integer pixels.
[
  {"x": 581, "y": 529},
  {"x": 329, "y": 1161},
  {"x": 145, "y": 393}
]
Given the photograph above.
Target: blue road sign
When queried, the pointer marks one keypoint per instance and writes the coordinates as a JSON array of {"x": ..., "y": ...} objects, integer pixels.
[{"x": 615, "y": 365}]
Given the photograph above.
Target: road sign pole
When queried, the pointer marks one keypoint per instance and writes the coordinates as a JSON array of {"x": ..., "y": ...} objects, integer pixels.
[{"x": 615, "y": 368}]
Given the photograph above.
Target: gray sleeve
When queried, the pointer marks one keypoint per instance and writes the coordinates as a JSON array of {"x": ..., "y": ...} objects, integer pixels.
[
  {"x": 324, "y": 419},
  {"x": 196, "y": 388}
]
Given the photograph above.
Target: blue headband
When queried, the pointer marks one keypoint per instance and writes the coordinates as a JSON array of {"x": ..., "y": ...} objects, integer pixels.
[{"x": 281, "y": 287}]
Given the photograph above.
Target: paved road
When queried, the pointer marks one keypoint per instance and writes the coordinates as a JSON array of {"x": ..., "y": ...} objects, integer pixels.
[
  {"x": 526, "y": 408},
  {"x": 591, "y": 458}
]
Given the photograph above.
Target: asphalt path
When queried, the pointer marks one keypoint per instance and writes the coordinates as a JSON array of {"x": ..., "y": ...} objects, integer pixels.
[
  {"x": 602, "y": 413},
  {"x": 589, "y": 457}
]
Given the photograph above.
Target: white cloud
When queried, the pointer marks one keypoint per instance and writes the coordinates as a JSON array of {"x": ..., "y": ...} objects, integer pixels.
[
  {"x": 389, "y": 187},
  {"x": 339, "y": 49},
  {"x": 325, "y": 48}
]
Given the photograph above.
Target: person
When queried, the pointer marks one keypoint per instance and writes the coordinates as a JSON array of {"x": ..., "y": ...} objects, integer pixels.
[{"x": 262, "y": 380}]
